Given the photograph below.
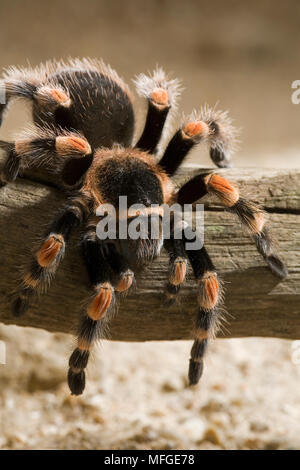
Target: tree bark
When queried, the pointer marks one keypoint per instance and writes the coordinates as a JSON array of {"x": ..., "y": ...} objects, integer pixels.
[{"x": 258, "y": 304}]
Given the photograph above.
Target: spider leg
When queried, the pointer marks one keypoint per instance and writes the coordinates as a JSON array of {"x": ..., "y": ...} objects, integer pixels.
[
  {"x": 209, "y": 294},
  {"x": 208, "y": 126},
  {"x": 161, "y": 93},
  {"x": 123, "y": 276},
  {"x": 46, "y": 260},
  {"x": 43, "y": 147},
  {"x": 103, "y": 263},
  {"x": 49, "y": 97},
  {"x": 208, "y": 312},
  {"x": 177, "y": 267},
  {"x": 249, "y": 213},
  {"x": 11, "y": 88}
]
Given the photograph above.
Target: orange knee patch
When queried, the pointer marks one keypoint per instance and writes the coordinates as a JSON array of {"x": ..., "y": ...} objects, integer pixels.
[
  {"x": 218, "y": 185},
  {"x": 49, "y": 251},
  {"x": 83, "y": 344},
  {"x": 66, "y": 145},
  {"x": 178, "y": 275},
  {"x": 208, "y": 291},
  {"x": 48, "y": 96},
  {"x": 196, "y": 129},
  {"x": 160, "y": 96},
  {"x": 23, "y": 146},
  {"x": 125, "y": 282},
  {"x": 29, "y": 281},
  {"x": 101, "y": 302},
  {"x": 201, "y": 334},
  {"x": 256, "y": 224},
  {"x": 61, "y": 97}
]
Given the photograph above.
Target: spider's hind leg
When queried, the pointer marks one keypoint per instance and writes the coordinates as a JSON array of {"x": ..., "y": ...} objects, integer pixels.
[
  {"x": 161, "y": 93},
  {"x": 206, "y": 126},
  {"x": 223, "y": 136}
]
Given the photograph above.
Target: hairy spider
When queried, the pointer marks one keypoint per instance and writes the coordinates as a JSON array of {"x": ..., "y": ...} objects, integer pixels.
[{"x": 84, "y": 126}]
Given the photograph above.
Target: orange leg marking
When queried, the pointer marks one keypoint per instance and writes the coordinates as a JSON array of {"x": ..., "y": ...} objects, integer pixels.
[
  {"x": 178, "y": 276},
  {"x": 125, "y": 282},
  {"x": 228, "y": 193},
  {"x": 29, "y": 281},
  {"x": 198, "y": 128},
  {"x": 49, "y": 251},
  {"x": 83, "y": 344},
  {"x": 101, "y": 302},
  {"x": 70, "y": 144},
  {"x": 209, "y": 291},
  {"x": 256, "y": 224},
  {"x": 23, "y": 146},
  {"x": 201, "y": 334},
  {"x": 59, "y": 96},
  {"x": 48, "y": 96},
  {"x": 160, "y": 96}
]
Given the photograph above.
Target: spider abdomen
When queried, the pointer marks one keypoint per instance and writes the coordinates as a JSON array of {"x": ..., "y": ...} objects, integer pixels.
[{"x": 100, "y": 108}]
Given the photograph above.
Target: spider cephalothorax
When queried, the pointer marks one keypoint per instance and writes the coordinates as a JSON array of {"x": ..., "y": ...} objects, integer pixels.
[
  {"x": 84, "y": 126},
  {"x": 132, "y": 173}
]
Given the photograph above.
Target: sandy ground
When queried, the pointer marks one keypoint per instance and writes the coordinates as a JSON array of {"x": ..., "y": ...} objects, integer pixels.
[{"x": 136, "y": 397}]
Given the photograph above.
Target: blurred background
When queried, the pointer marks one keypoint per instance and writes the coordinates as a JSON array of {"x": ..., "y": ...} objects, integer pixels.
[{"x": 245, "y": 56}]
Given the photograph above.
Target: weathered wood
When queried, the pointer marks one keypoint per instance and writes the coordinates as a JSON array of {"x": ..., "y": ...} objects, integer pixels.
[{"x": 258, "y": 303}]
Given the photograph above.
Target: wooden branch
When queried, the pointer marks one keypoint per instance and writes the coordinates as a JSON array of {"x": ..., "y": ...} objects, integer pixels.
[{"x": 258, "y": 303}]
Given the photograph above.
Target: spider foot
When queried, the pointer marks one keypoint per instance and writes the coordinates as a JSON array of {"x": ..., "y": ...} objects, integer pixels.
[{"x": 76, "y": 381}]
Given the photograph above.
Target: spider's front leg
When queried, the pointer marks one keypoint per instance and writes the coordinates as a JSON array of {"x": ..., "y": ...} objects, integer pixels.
[
  {"x": 43, "y": 147},
  {"x": 161, "y": 93},
  {"x": 49, "y": 97},
  {"x": 249, "y": 213},
  {"x": 46, "y": 260},
  {"x": 108, "y": 272},
  {"x": 207, "y": 126}
]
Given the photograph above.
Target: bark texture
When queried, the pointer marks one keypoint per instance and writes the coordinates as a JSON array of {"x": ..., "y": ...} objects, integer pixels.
[{"x": 258, "y": 304}]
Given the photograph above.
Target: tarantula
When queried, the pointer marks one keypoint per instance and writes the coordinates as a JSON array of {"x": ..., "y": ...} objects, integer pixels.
[{"x": 84, "y": 127}]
